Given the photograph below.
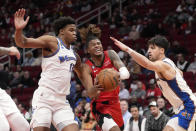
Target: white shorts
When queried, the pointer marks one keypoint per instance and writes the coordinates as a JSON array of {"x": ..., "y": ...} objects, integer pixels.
[
  {"x": 108, "y": 123},
  {"x": 174, "y": 124},
  {"x": 7, "y": 105},
  {"x": 49, "y": 107}
]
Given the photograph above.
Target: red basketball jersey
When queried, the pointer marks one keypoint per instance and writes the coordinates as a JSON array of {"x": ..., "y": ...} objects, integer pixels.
[{"x": 107, "y": 63}]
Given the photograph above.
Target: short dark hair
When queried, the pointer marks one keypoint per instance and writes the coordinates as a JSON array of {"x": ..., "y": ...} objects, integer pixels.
[
  {"x": 134, "y": 106},
  {"x": 62, "y": 22},
  {"x": 159, "y": 41}
]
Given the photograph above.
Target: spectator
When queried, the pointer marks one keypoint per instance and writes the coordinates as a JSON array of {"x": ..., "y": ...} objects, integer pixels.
[
  {"x": 124, "y": 109},
  {"x": 162, "y": 107},
  {"x": 134, "y": 34},
  {"x": 16, "y": 80},
  {"x": 153, "y": 90},
  {"x": 29, "y": 59},
  {"x": 182, "y": 64},
  {"x": 124, "y": 93},
  {"x": 38, "y": 60},
  {"x": 157, "y": 120},
  {"x": 192, "y": 66},
  {"x": 26, "y": 80},
  {"x": 139, "y": 92},
  {"x": 88, "y": 122},
  {"x": 136, "y": 122}
]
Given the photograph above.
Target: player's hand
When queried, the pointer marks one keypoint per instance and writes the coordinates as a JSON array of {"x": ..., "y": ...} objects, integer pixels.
[
  {"x": 14, "y": 51},
  {"x": 95, "y": 90},
  {"x": 120, "y": 44},
  {"x": 19, "y": 21}
]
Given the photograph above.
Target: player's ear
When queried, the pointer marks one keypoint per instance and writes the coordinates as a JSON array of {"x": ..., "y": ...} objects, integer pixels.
[
  {"x": 162, "y": 50},
  {"x": 61, "y": 31}
]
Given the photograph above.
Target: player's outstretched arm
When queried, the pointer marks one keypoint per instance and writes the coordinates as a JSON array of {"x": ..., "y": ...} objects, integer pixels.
[
  {"x": 23, "y": 41},
  {"x": 140, "y": 59},
  {"x": 10, "y": 51},
  {"x": 124, "y": 73}
]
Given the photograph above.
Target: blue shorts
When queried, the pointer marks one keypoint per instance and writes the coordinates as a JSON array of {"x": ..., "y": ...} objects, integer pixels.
[{"x": 184, "y": 118}]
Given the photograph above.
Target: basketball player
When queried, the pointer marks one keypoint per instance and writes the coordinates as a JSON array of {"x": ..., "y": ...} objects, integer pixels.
[
  {"x": 170, "y": 81},
  {"x": 10, "y": 116},
  {"x": 58, "y": 61},
  {"x": 105, "y": 106}
]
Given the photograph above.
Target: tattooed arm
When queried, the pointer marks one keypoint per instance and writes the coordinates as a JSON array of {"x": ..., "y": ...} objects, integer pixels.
[{"x": 124, "y": 73}]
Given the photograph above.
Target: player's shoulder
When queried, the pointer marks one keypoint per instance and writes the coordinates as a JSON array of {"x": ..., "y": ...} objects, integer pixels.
[{"x": 48, "y": 38}]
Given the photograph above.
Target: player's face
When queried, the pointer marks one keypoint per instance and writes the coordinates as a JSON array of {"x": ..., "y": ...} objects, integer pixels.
[
  {"x": 95, "y": 47},
  {"x": 70, "y": 33},
  {"x": 153, "y": 52}
]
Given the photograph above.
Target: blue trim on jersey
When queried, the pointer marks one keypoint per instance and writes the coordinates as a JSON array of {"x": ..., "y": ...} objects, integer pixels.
[
  {"x": 63, "y": 43},
  {"x": 54, "y": 52},
  {"x": 185, "y": 97}
]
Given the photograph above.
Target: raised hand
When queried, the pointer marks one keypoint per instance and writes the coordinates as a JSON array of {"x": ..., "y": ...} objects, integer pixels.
[
  {"x": 120, "y": 44},
  {"x": 19, "y": 21},
  {"x": 14, "y": 51}
]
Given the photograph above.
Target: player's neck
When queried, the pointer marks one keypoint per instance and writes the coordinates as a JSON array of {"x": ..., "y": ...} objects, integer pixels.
[
  {"x": 64, "y": 42},
  {"x": 97, "y": 59},
  {"x": 162, "y": 57}
]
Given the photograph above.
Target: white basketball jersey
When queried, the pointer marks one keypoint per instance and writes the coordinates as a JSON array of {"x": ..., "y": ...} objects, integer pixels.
[
  {"x": 57, "y": 69},
  {"x": 176, "y": 91}
]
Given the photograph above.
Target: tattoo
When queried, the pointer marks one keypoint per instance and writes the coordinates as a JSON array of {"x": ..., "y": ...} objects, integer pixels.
[
  {"x": 78, "y": 63},
  {"x": 115, "y": 59},
  {"x": 4, "y": 51}
]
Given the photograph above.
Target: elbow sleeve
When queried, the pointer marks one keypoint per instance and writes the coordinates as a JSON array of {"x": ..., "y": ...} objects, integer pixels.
[{"x": 124, "y": 73}]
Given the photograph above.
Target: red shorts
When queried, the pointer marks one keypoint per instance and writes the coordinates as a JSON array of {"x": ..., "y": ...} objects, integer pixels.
[{"x": 109, "y": 109}]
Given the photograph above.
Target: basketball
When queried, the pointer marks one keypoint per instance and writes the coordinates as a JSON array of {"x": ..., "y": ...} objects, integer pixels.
[{"x": 108, "y": 78}]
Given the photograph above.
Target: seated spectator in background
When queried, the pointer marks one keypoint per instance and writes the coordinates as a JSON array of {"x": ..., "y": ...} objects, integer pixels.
[
  {"x": 134, "y": 67},
  {"x": 139, "y": 92},
  {"x": 38, "y": 60},
  {"x": 124, "y": 93},
  {"x": 88, "y": 122},
  {"x": 29, "y": 59},
  {"x": 182, "y": 64},
  {"x": 161, "y": 103},
  {"x": 136, "y": 122},
  {"x": 134, "y": 34},
  {"x": 15, "y": 82},
  {"x": 26, "y": 80},
  {"x": 19, "y": 70},
  {"x": 157, "y": 120},
  {"x": 192, "y": 66},
  {"x": 4, "y": 77},
  {"x": 125, "y": 112},
  {"x": 176, "y": 48},
  {"x": 153, "y": 90},
  {"x": 124, "y": 29}
]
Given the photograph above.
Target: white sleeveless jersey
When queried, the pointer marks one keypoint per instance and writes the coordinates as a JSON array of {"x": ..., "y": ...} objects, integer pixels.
[
  {"x": 176, "y": 91},
  {"x": 57, "y": 69}
]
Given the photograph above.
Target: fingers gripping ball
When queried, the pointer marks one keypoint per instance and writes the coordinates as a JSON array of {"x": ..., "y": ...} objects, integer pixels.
[{"x": 109, "y": 79}]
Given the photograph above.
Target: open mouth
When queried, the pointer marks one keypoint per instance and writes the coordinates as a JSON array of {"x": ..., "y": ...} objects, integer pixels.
[{"x": 98, "y": 51}]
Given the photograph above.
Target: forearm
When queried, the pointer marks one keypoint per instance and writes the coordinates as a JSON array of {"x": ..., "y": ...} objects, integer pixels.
[
  {"x": 20, "y": 39},
  {"x": 140, "y": 59},
  {"x": 4, "y": 51}
]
